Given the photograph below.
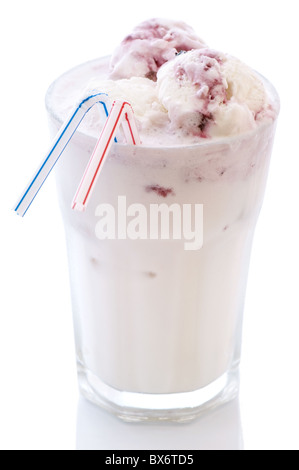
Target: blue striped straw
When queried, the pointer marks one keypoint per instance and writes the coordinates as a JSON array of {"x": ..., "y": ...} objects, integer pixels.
[{"x": 60, "y": 143}]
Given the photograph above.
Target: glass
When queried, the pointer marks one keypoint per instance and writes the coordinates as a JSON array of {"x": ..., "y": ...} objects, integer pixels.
[{"x": 158, "y": 327}]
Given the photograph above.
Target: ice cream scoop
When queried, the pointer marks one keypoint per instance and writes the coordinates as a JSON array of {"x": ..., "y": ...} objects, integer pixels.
[
  {"x": 150, "y": 45},
  {"x": 208, "y": 93}
]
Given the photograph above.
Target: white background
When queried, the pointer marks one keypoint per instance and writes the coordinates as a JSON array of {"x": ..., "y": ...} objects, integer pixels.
[{"x": 39, "y": 403}]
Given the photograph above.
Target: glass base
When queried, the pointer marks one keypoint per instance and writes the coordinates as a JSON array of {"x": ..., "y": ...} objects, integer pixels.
[{"x": 178, "y": 407}]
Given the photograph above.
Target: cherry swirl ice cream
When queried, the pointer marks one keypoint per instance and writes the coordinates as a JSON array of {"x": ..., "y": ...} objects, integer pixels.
[
  {"x": 149, "y": 46},
  {"x": 158, "y": 327},
  {"x": 210, "y": 94}
]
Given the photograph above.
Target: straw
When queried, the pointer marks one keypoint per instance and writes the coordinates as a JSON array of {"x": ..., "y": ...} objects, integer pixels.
[
  {"x": 60, "y": 142},
  {"x": 121, "y": 113}
]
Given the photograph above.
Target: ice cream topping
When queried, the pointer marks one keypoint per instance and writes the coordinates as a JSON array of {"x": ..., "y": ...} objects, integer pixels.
[{"x": 181, "y": 90}]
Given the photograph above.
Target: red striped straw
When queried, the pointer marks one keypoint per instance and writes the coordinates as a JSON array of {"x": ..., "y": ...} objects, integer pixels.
[{"x": 121, "y": 113}]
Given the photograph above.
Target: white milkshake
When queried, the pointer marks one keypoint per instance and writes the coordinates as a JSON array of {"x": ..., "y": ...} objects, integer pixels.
[{"x": 158, "y": 328}]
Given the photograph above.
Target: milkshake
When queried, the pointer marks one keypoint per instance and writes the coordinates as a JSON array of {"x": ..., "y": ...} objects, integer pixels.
[{"x": 158, "y": 326}]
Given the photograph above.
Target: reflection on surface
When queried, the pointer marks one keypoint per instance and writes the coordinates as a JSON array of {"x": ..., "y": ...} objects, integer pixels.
[{"x": 219, "y": 430}]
